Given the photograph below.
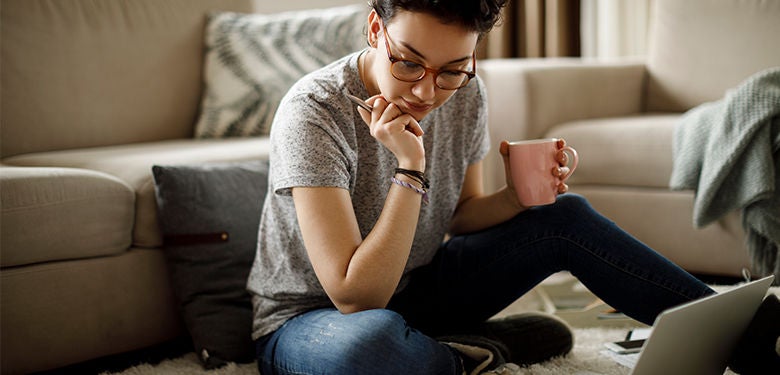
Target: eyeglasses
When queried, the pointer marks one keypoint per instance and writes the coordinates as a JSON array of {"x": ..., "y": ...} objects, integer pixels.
[{"x": 410, "y": 71}]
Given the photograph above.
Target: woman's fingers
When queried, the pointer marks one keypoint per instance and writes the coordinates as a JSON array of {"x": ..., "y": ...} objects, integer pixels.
[
  {"x": 503, "y": 148},
  {"x": 414, "y": 127},
  {"x": 365, "y": 115},
  {"x": 563, "y": 160},
  {"x": 562, "y": 157},
  {"x": 560, "y": 172},
  {"x": 399, "y": 132},
  {"x": 388, "y": 117},
  {"x": 379, "y": 104}
]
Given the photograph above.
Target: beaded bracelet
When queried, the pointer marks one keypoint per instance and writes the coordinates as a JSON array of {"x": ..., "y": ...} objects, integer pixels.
[
  {"x": 410, "y": 186},
  {"x": 415, "y": 175}
]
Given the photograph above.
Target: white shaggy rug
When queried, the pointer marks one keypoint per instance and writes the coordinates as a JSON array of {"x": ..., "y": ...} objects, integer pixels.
[{"x": 584, "y": 359}]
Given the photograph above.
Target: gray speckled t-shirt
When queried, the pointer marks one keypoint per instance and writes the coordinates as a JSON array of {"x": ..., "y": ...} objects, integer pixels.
[{"x": 319, "y": 139}]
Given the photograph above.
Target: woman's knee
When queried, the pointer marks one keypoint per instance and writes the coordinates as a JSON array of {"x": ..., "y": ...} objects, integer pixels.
[
  {"x": 383, "y": 336},
  {"x": 372, "y": 341},
  {"x": 573, "y": 201},
  {"x": 569, "y": 207},
  {"x": 345, "y": 334},
  {"x": 374, "y": 328}
]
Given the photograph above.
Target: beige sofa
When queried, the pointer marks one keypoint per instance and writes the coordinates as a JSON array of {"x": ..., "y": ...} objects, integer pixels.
[
  {"x": 95, "y": 93},
  {"x": 620, "y": 116}
]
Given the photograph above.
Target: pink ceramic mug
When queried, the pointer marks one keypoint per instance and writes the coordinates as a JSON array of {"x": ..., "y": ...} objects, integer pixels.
[{"x": 531, "y": 164}]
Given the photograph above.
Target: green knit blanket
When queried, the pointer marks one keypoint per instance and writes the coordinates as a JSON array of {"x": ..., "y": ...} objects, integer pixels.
[{"x": 728, "y": 151}]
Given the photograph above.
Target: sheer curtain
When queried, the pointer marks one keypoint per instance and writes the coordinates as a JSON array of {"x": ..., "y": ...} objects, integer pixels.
[{"x": 615, "y": 28}]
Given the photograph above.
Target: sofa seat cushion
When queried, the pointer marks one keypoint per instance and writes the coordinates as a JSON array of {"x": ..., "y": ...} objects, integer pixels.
[
  {"x": 77, "y": 310},
  {"x": 622, "y": 151},
  {"x": 133, "y": 164},
  {"x": 51, "y": 214}
]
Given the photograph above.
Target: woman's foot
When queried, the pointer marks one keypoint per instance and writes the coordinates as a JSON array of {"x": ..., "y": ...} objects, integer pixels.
[
  {"x": 521, "y": 339},
  {"x": 530, "y": 337},
  {"x": 478, "y": 354}
]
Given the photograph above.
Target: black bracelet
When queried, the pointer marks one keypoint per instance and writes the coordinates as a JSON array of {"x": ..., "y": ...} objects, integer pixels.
[{"x": 415, "y": 175}]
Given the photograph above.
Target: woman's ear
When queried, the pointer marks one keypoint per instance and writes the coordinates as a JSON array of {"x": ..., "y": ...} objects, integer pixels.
[{"x": 374, "y": 26}]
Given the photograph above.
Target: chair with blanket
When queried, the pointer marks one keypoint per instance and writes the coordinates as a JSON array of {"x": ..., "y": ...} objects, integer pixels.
[{"x": 621, "y": 117}]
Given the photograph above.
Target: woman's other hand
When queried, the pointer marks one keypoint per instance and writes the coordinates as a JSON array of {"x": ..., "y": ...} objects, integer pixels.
[{"x": 562, "y": 170}]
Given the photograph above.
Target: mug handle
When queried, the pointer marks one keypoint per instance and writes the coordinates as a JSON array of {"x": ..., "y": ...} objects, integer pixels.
[{"x": 572, "y": 164}]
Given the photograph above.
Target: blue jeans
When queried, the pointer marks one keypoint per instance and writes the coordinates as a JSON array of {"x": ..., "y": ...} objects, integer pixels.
[{"x": 473, "y": 277}]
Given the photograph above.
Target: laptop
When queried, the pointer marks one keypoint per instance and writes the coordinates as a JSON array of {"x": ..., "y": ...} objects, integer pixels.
[{"x": 699, "y": 337}]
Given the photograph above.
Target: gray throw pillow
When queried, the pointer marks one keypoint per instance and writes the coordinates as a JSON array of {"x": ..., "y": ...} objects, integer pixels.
[
  {"x": 252, "y": 60},
  {"x": 209, "y": 216}
]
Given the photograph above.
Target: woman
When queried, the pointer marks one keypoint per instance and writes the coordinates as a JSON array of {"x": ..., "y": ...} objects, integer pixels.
[{"x": 352, "y": 274}]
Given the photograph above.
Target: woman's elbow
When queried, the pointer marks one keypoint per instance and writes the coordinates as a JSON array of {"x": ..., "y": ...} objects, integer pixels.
[{"x": 351, "y": 303}]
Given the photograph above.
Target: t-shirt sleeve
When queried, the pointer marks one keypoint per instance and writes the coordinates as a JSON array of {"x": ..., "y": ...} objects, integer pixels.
[
  {"x": 308, "y": 147},
  {"x": 481, "y": 141}
]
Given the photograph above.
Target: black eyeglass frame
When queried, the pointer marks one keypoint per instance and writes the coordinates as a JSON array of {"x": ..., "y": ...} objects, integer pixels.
[{"x": 426, "y": 70}]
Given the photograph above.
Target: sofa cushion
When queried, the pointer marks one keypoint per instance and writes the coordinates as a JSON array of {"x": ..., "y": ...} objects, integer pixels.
[
  {"x": 78, "y": 310},
  {"x": 628, "y": 151},
  {"x": 133, "y": 163},
  {"x": 253, "y": 59},
  {"x": 51, "y": 214},
  {"x": 701, "y": 48},
  {"x": 209, "y": 216}
]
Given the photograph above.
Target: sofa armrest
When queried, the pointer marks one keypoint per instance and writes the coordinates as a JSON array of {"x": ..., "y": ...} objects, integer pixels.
[{"x": 527, "y": 97}]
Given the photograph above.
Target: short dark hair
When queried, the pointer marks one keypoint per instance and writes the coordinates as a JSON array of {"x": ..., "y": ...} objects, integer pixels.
[{"x": 475, "y": 15}]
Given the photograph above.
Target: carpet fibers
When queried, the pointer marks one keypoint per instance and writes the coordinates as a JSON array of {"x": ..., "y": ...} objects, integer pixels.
[{"x": 584, "y": 359}]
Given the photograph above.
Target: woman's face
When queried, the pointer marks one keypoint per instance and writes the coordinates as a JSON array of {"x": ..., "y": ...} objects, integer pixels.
[{"x": 422, "y": 39}]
